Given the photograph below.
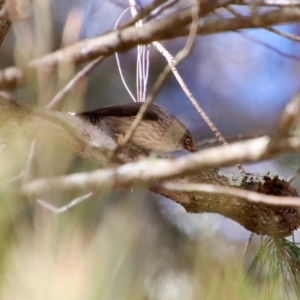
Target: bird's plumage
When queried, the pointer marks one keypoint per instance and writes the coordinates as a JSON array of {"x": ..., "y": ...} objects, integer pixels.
[
  {"x": 125, "y": 110},
  {"x": 158, "y": 131}
]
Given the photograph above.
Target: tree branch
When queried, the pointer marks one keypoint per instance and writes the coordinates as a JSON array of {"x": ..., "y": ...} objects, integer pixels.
[
  {"x": 71, "y": 132},
  {"x": 274, "y": 17},
  {"x": 121, "y": 40}
]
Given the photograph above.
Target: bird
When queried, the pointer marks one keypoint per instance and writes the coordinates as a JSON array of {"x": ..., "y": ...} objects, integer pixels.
[{"x": 159, "y": 131}]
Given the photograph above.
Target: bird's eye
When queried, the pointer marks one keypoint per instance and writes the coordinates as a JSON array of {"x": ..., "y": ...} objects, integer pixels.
[{"x": 188, "y": 141}]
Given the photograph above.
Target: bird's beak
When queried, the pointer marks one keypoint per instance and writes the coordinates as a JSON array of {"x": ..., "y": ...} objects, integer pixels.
[{"x": 192, "y": 149}]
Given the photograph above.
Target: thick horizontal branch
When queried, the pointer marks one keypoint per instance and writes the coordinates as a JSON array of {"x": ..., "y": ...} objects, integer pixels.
[
  {"x": 146, "y": 172},
  {"x": 280, "y": 3},
  {"x": 74, "y": 134},
  {"x": 260, "y": 218},
  {"x": 232, "y": 191},
  {"x": 121, "y": 40},
  {"x": 276, "y": 17}
]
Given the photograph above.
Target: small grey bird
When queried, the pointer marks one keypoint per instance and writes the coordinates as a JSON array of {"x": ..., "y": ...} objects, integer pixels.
[{"x": 158, "y": 131}]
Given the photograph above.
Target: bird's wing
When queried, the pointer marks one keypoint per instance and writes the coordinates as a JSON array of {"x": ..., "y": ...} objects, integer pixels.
[{"x": 125, "y": 110}]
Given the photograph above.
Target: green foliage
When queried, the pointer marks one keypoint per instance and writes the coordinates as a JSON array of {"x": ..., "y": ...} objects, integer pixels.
[{"x": 276, "y": 268}]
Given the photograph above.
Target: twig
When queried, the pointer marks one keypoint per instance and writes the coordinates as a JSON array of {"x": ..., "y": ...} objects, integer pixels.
[
  {"x": 142, "y": 66},
  {"x": 246, "y": 249},
  {"x": 277, "y": 3},
  {"x": 287, "y": 35},
  {"x": 189, "y": 94},
  {"x": 161, "y": 9},
  {"x": 292, "y": 178},
  {"x": 290, "y": 116},
  {"x": 59, "y": 210},
  {"x": 144, "y": 13},
  {"x": 14, "y": 179},
  {"x": 240, "y": 16},
  {"x": 74, "y": 81},
  {"x": 240, "y": 137},
  {"x": 119, "y": 64},
  {"x": 230, "y": 191},
  {"x": 267, "y": 46},
  {"x": 28, "y": 167}
]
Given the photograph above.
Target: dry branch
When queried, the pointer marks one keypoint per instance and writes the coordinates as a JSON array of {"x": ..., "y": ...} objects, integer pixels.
[{"x": 123, "y": 39}]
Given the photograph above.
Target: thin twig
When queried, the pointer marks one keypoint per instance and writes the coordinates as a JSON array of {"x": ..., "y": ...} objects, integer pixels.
[
  {"x": 119, "y": 64},
  {"x": 189, "y": 94},
  {"x": 246, "y": 249},
  {"x": 279, "y": 3},
  {"x": 59, "y": 210},
  {"x": 142, "y": 66},
  {"x": 289, "y": 118},
  {"x": 144, "y": 13},
  {"x": 14, "y": 179},
  {"x": 292, "y": 178},
  {"x": 28, "y": 167},
  {"x": 269, "y": 28},
  {"x": 161, "y": 9},
  {"x": 238, "y": 15},
  {"x": 286, "y": 55},
  {"x": 287, "y": 35},
  {"x": 74, "y": 81},
  {"x": 232, "y": 139},
  {"x": 250, "y": 196}
]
